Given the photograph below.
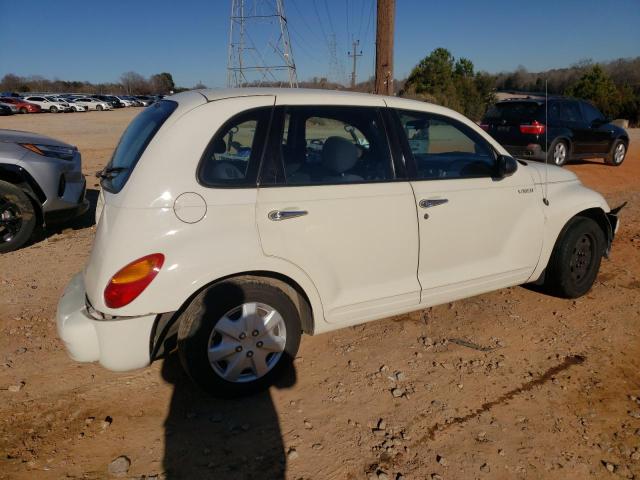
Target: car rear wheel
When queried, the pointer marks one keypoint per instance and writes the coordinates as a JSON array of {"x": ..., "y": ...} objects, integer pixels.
[
  {"x": 17, "y": 217},
  {"x": 618, "y": 152},
  {"x": 576, "y": 258},
  {"x": 238, "y": 337},
  {"x": 558, "y": 153},
  {"x": 53, "y": 109},
  {"x": 99, "y": 108}
]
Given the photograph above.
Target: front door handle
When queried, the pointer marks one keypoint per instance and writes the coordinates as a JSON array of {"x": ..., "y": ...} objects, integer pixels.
[
  {"x": 433, "y": 202},
  {"x": 278, "y": 215}
]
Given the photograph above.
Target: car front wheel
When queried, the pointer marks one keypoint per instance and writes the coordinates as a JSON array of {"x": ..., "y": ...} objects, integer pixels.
[
  {"x": 576, "y": 258},
  {"x": 53, "y": 109},
  {"x": 17, "y": 217},
  {"x": 238, "y": 337},
  {"x": 618, "y": 152},
  {"x": 99, "y": 108}
]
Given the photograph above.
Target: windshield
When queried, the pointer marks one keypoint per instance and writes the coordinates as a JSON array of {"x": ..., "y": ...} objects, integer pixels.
[{"x": 133, "y": 143}]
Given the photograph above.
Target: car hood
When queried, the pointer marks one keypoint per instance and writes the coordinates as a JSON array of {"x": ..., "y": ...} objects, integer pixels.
[
  {"x": 17, "y": 136},
  {"x": 550, "y": 173}
]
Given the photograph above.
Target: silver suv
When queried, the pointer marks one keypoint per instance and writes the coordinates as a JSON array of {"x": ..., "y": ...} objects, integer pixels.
[{"x": 41, "y": 182}]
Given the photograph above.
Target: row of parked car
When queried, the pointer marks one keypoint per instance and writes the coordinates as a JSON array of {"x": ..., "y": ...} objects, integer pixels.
[{"x": 36, "y": 103}]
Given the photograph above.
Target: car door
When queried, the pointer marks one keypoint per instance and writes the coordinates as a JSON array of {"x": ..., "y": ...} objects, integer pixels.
[
  {"x": 477, "y": 232},
  {"x": 332, "y": 202},
  {"x": 599, "y": 132}
]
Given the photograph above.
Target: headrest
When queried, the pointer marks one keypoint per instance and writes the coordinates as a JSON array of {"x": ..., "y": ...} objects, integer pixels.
[
  {"x": 339, "y": 154},
  {"x": 219, "y": 146}
]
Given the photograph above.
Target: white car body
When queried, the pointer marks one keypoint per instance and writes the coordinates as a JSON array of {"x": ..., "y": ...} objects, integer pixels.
[
  {"x": 389, "y": 259},
  {"x": 76, "y": 107},
  {"x": 46, "y": 104},
  {"x": 124, "y": 101},
  {"x": 92, "y": 103}
]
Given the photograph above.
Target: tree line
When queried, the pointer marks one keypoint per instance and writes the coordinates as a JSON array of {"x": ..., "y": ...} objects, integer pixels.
[
  {"x": 439, "y": 78},
  {"x": 131, "y": 83}
]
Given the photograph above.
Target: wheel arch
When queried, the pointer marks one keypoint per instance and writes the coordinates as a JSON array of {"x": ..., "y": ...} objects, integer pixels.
[
  {"x": 599, "y": 216},
  {"x": 166, "y": 325},
  {"x": 19, "y": 177}
]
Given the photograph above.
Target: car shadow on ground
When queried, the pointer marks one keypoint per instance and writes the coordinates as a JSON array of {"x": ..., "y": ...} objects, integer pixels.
[{"x": 207, "y": 437}]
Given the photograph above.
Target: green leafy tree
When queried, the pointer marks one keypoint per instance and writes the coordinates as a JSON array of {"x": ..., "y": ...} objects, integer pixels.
[
  {"x": 597, "y": 86},
  {"x": 162, "y": 83},
  {"x": 441, "y": 79}
]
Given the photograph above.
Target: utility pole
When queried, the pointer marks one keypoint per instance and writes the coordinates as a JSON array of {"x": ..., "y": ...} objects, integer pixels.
[
  {"x": 354, "y": 54},
  {"x": 385, "y": 20}
]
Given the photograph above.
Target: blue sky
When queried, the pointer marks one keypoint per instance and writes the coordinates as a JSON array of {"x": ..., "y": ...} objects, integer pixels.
[{"x": 99, "y": 40}]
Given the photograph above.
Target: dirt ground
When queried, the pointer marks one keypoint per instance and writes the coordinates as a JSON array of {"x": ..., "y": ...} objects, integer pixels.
[{"x": 554, "y": 393}]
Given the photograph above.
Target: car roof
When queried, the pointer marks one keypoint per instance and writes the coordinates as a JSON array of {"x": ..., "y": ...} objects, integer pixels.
[{"x": 285, "y": 94}]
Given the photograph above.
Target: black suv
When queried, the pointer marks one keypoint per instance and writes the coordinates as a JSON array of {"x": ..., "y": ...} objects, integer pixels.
[{"x": 574, "y": 129}]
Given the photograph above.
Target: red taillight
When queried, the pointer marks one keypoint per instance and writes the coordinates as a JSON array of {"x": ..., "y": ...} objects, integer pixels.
[
  {"x": 535, "y": 128},
  {"x": 130, "y": 281},
  {"x": 484, "y": 126}
]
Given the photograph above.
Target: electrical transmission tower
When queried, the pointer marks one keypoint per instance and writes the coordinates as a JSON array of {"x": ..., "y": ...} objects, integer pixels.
[{"x": 259, "y": 45}]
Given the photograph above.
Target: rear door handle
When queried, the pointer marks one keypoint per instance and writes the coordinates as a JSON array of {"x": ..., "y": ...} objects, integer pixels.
[
  {"x": 278, "y": 215},
  {"x": 433, "y": 202}
]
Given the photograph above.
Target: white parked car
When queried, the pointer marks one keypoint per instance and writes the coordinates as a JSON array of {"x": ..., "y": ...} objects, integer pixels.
[
  {"x": 92, "y": 103},
  {"x": 232, "y": 221},
  {"x": 48, "y": 105},
  {"x": 125, "y": 101},
  {"x": 76, "y": 107}
]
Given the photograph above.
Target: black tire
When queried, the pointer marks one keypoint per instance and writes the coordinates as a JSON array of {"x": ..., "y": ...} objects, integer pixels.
[
  {"x": 24, "y": 110},
  {"x": 17, "y": 217},
  {"x": 99, "y": 108},
  {"x": 617, "y": 154},
  {"x": 196, "y": 334},
  {"x": 53, "y": 109},
  {"x": 554, "y": 158},
  {"x": 575, "y": 259}
]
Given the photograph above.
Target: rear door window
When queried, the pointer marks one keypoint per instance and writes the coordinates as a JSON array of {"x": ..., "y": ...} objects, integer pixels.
[
  {"x": 133, "y": 143},
  {"x": 320, "y": 145}
]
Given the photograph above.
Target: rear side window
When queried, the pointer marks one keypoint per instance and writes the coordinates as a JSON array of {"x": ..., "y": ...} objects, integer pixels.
[
  {"x": 233, "y": 156},
  {"x": 514, "y": 112},
  {"x": 133, "y": 143}
]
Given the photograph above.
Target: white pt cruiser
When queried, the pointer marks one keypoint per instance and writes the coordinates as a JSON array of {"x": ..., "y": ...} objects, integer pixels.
[{"x": 232, "y": 221}]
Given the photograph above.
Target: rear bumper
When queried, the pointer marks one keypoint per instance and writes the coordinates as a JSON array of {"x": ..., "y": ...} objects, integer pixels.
[
  {"x": 531, "y": 151},
  {"x": 120, "y": 344}
]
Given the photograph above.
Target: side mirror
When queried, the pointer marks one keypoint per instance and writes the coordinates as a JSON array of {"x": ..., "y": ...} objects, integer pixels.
[{"x": 507, "y": 166}]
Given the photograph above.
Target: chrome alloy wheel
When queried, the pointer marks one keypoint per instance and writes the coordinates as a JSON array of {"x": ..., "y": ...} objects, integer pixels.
[
  {"x": 559, "y": 153},
  {"x": 247, "y": 342},
  {"x": 618, "y": 155}
]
